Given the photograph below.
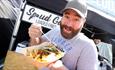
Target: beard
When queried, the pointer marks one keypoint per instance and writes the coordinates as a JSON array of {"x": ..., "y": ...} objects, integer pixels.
[{"x": 68, "y": 32}]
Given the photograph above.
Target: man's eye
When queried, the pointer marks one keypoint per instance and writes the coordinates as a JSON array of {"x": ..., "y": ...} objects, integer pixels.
[
  {"x": 77, "y": 19},
  {"x": 66, "y": 16}
]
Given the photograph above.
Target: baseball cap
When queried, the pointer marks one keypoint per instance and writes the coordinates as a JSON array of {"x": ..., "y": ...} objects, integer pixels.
[{"x": 77, "y": 5}]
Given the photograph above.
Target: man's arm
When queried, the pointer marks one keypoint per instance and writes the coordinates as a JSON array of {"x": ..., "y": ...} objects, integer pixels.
[{"x": 35, "y": 33}]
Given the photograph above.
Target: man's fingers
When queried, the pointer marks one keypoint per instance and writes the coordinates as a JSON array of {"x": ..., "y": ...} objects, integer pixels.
[{"x": 55, "y": 64}]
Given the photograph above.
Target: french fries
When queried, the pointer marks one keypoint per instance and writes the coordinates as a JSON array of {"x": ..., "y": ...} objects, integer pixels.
[{"x": 45, "y": 53}]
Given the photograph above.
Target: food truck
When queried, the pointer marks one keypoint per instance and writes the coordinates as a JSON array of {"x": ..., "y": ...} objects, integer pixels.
[{"x": 14, "y": 25}]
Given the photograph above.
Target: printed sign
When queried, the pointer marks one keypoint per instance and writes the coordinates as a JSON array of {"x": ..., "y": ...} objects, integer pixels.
[{"x": 37, "y": 15}]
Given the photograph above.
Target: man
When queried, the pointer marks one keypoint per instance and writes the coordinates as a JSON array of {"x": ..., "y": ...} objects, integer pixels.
[{"x": 81, "y": 53}]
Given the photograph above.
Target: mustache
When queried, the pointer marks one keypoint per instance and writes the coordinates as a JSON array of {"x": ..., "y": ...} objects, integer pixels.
[{"x": 68, "y": 27}]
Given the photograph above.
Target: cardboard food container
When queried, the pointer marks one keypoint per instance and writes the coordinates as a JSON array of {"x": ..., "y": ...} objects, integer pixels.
[{"x": 43, "y": 54}]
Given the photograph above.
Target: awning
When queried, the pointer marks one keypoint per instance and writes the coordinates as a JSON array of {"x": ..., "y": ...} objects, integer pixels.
[{"x": 100, "y": 22}]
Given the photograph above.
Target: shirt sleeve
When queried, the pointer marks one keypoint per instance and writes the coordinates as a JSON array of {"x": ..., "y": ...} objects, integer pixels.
[
  {"x": 88, "y": 59},
  {"x": 50, "y": 34}
]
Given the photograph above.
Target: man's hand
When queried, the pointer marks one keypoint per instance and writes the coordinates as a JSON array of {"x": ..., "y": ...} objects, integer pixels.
[
  {"x": 58, "y": 65},
  {"x": 35, "y": 33}
]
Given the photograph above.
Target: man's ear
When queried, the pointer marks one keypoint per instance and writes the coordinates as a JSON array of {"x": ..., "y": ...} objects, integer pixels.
[{"x": 84, "y": 20}]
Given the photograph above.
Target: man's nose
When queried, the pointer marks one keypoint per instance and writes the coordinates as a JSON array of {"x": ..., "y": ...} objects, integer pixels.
[{"x": 69, "y": 23}]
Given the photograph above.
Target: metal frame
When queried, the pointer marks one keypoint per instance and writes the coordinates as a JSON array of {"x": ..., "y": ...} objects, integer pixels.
[{"x": 17, "y": 24}]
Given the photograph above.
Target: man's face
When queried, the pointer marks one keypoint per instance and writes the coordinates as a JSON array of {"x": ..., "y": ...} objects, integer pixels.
[{"x": 71, "y": 24}]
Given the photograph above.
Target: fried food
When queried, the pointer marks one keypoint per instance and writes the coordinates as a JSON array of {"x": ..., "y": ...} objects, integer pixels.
[{"x": 45, "y": 53}]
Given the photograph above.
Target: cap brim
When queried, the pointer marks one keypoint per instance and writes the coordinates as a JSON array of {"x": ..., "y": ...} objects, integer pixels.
[{"x": 77, "y": 11}]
